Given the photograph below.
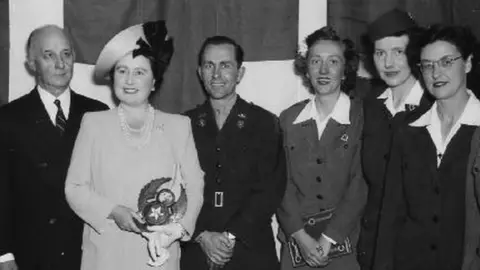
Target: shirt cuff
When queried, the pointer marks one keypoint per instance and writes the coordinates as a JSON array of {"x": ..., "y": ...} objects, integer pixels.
[
  {"x": 7, "y": 257},
  {"x": 333, "y": 242}
]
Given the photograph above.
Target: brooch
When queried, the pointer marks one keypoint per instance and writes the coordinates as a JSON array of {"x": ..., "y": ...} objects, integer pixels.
[
  {"x": 410, "y": 107},
  {"x": 344, "y": 138},
  {"x": 201, "y": 120}
]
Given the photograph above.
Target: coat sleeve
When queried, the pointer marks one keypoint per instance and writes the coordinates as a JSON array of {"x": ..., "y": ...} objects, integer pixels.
[
  {"x": 192, "y": 175},
  {"x": 92, "y": 207},
  {"x": 349, "y": 210},
  {"x": 269, "y": 187},
  {"x": 6, "y": 206},
  {"x": 472, "y": 230},
  {"x": 393, "y": 209},
  {"x": 288, "y": 213}
]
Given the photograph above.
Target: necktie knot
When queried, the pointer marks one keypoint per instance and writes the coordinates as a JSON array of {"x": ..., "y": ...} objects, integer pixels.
[{"x": 60, "y": 120}]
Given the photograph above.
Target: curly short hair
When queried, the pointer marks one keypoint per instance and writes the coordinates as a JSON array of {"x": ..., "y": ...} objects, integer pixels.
[
  {"x": 350, "y": 54},
  {"x": 461, "y": 37}
]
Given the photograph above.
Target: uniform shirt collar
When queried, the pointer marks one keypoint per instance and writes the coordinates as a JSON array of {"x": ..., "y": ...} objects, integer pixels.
[
  {"x": 48, "y": 99},
  {"x": 413, "y": 98},
  {"x": 340, "y": 112},
  {"x": 470, "y": 115}
]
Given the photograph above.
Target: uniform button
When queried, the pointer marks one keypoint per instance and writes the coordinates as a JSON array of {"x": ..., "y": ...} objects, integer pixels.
[
  {"x": 63, "y": 253},
  {"x": 365, "y": 223},
  {"x": 218, "y": 180},
  {"x": 219, "y": 165},
  {"x": 319, "y": 196},
  {"x": 319, "y": 179},
  {"x": 433, "y": 247},
  {"x": 217, "y": 149},
  {"x": 52, "y": 221},
  {"x": 435, "y": 219},
  {"x": 319, "y": 161}
]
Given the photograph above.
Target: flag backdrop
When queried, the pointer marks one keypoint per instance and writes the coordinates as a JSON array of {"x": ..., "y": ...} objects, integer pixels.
[
  {"x": 4, "y": 50},
  {"x": 267, "y": 30}
]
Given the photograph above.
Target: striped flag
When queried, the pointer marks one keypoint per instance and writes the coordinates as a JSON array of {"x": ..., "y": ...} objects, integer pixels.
[{"x": 268, "y": 30}]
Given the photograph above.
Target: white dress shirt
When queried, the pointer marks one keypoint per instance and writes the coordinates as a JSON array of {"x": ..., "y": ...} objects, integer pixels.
[
  {"x": 413, "y": 98},
  {"x": 470, "y": 116},
  {"x": 48, "y": 101},
  {"x": 340, "y": 113}
]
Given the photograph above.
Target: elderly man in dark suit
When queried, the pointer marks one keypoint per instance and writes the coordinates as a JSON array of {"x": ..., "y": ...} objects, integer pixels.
[
  {"x": 240, "y": 149},
  {"x": 37, "y": 228}
]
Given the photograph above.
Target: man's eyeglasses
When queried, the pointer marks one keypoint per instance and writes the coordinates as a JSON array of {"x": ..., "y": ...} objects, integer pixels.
[{"x": 444, "y": 63}]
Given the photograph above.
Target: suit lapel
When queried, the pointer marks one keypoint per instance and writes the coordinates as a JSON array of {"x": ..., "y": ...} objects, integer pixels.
[
  {"x": 40, "y": 121},
  {"x": 334, "y": 135},
  {"x": 423, "y": 145},
  {"x": 303, "y": 132},
  {"x": 457, "y": 148},
  {"x": 74, "y": 116}
]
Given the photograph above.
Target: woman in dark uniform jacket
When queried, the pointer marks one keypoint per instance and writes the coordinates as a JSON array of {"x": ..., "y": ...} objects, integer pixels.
[
  {"x": 389, "y": 104},
  {"x": 322, "y": 140},
  {"x": 422, "y": 222}
]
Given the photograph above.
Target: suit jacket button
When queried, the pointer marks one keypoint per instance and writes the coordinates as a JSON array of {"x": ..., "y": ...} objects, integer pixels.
[
  {"x": 476, "y": 169},
  {"x": 319, "y": 196},
  {"x": 319, "y": 161},
  {"x": 365, "y": 223},
  {"x": 433, "y": 247},
  {"x": 217, "y": 149},
  {"x": 435, "y": 219},
  {"x": 52, "y": 221},
  {"x": 437, "y": 190},
  {"x": 319, "y": 179},
  {"x": 219, "y": 165}
]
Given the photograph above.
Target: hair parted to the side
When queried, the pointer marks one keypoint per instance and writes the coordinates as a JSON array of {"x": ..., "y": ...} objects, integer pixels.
[
  {"x": 350, "y": 54},
  {"x": 461, "y": 37},
  {"x": 221, "y": 40}
]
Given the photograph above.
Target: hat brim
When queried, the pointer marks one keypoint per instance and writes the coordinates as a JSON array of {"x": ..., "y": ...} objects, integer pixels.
[{"x": 120, "y": 45}]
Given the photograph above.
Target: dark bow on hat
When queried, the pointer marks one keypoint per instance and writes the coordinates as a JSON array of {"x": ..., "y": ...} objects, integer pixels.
[
  {"x": 158, "y": 46},
  {"x": 161, "y": 45}
]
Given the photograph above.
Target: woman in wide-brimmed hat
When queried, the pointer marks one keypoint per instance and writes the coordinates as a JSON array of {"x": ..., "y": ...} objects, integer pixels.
[{"x": 120, "y": 151}]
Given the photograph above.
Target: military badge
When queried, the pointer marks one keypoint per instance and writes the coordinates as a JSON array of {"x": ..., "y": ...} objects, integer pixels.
[{"x": 158, "y": 206}]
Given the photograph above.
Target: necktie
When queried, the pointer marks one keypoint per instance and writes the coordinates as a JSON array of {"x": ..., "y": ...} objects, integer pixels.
[{"x": 60, "y": 120}]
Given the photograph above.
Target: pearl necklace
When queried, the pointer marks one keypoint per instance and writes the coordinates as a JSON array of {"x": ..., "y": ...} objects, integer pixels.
[{"x": 144, "y": 132}]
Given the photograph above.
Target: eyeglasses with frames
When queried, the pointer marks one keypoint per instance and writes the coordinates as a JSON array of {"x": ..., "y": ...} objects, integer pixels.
[{"x": 444, "y": 63}]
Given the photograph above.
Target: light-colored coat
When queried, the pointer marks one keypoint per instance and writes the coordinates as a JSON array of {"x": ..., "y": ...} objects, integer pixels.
[{"x": 106, "y": 171}]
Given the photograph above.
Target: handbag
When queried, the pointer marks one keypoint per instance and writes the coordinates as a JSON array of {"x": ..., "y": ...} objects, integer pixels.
[{"x": 315, "y": 225}]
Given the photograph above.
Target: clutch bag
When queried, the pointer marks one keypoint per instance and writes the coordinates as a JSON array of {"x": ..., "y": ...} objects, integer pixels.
[{"x": 315, "y": 225}]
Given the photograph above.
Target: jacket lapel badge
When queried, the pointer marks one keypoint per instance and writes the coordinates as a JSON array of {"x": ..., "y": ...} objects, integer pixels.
[
  {"x": 241, "y": 120},
  {"x": 201, "y": 122},
  {"x": 410, "y": 107}
]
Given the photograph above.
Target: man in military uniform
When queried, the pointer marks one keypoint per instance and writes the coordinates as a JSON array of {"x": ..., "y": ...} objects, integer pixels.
[{"x": 240, "y": 149}]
